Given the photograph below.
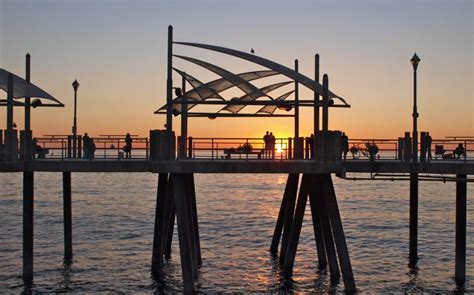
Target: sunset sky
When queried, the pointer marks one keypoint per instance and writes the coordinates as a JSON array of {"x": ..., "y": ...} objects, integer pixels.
[{"x": 117, "y": 52}]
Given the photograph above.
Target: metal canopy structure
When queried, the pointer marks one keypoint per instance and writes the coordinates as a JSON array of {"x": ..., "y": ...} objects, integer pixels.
[
  {"x": 210, "y": 93},
  {"x": 23, "y": 89}
]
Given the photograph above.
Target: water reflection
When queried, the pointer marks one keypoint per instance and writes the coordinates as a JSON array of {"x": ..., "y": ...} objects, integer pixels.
[{"x": 66, "y": 284}]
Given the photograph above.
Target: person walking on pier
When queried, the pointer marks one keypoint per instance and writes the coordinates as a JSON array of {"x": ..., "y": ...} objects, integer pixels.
[
  {"x": 128, "y": 146},
  {"x": 266, "y": 151},
  {"x": 429, "y": 140},
  {"x": 345, "y": 145},
  {"x": 86, "y": 145}
]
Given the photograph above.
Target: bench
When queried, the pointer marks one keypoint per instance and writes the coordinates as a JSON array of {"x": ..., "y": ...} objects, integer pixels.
[
  {"x": 232, "y": 151},
  {"x": 42, "y": 153}
]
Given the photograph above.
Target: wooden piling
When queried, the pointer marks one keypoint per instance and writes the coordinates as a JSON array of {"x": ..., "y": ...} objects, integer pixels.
[
  {"x": 67, "y": 215},
  {"x": 413, "y": 255},
  {"x": 289, "y": 212},
  {"x": 28, "y": 206},
  {"x": 180, "y": 184},
  {"x": 338, "y": 232},
  {"x": 296, "y": 226},
  {"x": 461, "y": 197},
  {"x": 157, "y": 255},
  {"x": 281, "y": 215}
]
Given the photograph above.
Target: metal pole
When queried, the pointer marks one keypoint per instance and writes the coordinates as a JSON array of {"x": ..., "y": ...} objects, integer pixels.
[
  {"x": 297, "y": 107},
  {"x": 9, "y": 136},
  {"x": 27, "y": 99},
  {"x": 169, "y": 83},
  {"x": 184, "y": 119},
  {"x": 415, "y": 117}
]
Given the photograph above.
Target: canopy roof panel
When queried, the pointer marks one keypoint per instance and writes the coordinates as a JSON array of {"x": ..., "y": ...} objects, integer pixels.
[{"x": 22, "y": 89}]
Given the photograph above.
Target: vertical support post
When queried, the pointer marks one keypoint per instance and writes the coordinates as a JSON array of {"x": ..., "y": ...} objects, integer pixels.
[
  {"x": 461, "y": 197},
  {"x": 67, "y": 214},
  {"x": 325, "y": 102},
  {"x": 413, "y": 255},
  {"x": 9, "y": 138},
  {"x": 297, "y": 104},
  {"x": 316, "y": 105},
  {"x": 184, "y": 119},
  {"x": 169, "y": 238},
  {"x": 28, "y": 206},
  {"x": 27, "y": 99},
  {"x": 338, "y": 232},
  {"x": 296, "y": 226},
  {"x": 280, "y": 219},
  {"x": 182, "y": 208},
  {"x": 190, "y": 147},
  {"x": 157, "y": 254},
  {"x": 289, "y": 212},
  {"x": 169, "y": 83},
  {"x": 27, "y": 151}
]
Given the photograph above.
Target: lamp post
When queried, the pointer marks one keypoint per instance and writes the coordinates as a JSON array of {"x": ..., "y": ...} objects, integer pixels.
[
  {"x": 75, "y": 85},
  {"x": 413, "y": 256},
  {"x": 415, "y": 60}
]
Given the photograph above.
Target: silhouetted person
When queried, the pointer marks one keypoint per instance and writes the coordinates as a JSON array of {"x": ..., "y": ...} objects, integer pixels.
[
  {"x": 345, "y": 145},
  {"x": 266, "y": 152},
  {"x": 37, "y": 149},
  {"x": 271, "y": 144},
  {"x": 128, "y": 146},
  {"x": 86, "y": 145},
  {"x": 429, "y": 140},
  {"x": 92, "y": 148},
  {"x": 459, "y": 151},
  {"x": 373, "y": 149}
]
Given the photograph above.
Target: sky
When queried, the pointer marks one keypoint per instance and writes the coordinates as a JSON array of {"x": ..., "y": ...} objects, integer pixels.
[{"x": 117, "y": 51}]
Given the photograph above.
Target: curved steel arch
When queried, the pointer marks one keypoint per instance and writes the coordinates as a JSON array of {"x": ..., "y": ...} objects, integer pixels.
[
  {"x": 234, "y": 109},
  {"x": 311, "y": 84},
  {"x": 242, "y": 84}
]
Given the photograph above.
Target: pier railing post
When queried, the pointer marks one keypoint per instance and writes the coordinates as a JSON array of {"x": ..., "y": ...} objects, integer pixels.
[
  {"x": 28, "y": 205},
  {"x": 461, "y": 198},
  {"x": 67, "y": 215}
]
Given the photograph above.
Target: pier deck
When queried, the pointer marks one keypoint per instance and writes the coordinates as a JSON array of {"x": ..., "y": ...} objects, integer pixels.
[{"x": 238, "y": 166}]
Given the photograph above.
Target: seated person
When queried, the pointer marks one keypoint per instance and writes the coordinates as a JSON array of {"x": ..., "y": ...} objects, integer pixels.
[{"x": 459, "y": 151}]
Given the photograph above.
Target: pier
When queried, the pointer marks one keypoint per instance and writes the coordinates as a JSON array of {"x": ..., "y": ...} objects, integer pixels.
[{"x": 310, "y": 162}]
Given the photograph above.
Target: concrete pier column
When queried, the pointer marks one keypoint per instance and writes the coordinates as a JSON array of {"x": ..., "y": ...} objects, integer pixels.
[
  {"x": 413, "y": 255},
  {"x": 157, "y": 254},
  {"x": 281, "y": 216},
  {"x": 326, "y": 229},
  {"x": 289, "y": 212},
  {"x": 28, "y": 205},
  {"x": 169, "y": 235},
  {"x": 67, "y": 214},
  {"x": 296, "y": 226},
  {"x": 192, "y": 188},
  {"x": 461, "y": 210},
  {"x": 338, "y": 233},
  {"x": 317, "y": 225},
  {"x": 180, "y": 186}
]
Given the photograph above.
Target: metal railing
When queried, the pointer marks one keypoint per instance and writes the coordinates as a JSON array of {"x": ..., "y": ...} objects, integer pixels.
[{"x": 106, "y": 147}]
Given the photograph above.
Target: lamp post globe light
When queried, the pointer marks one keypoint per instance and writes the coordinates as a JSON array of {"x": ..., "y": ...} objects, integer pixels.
[
  {"x": 75, "y": 85},
  {"x": 415, "y": 60}
]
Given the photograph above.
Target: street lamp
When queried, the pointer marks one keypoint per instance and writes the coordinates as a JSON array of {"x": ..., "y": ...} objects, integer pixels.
[
  {"x": 75, "y": 85},
  {"x": 415, "y": 60}
]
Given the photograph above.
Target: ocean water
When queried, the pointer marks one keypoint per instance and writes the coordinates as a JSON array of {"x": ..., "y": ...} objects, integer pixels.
[{"x": 113, "y": 219}]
